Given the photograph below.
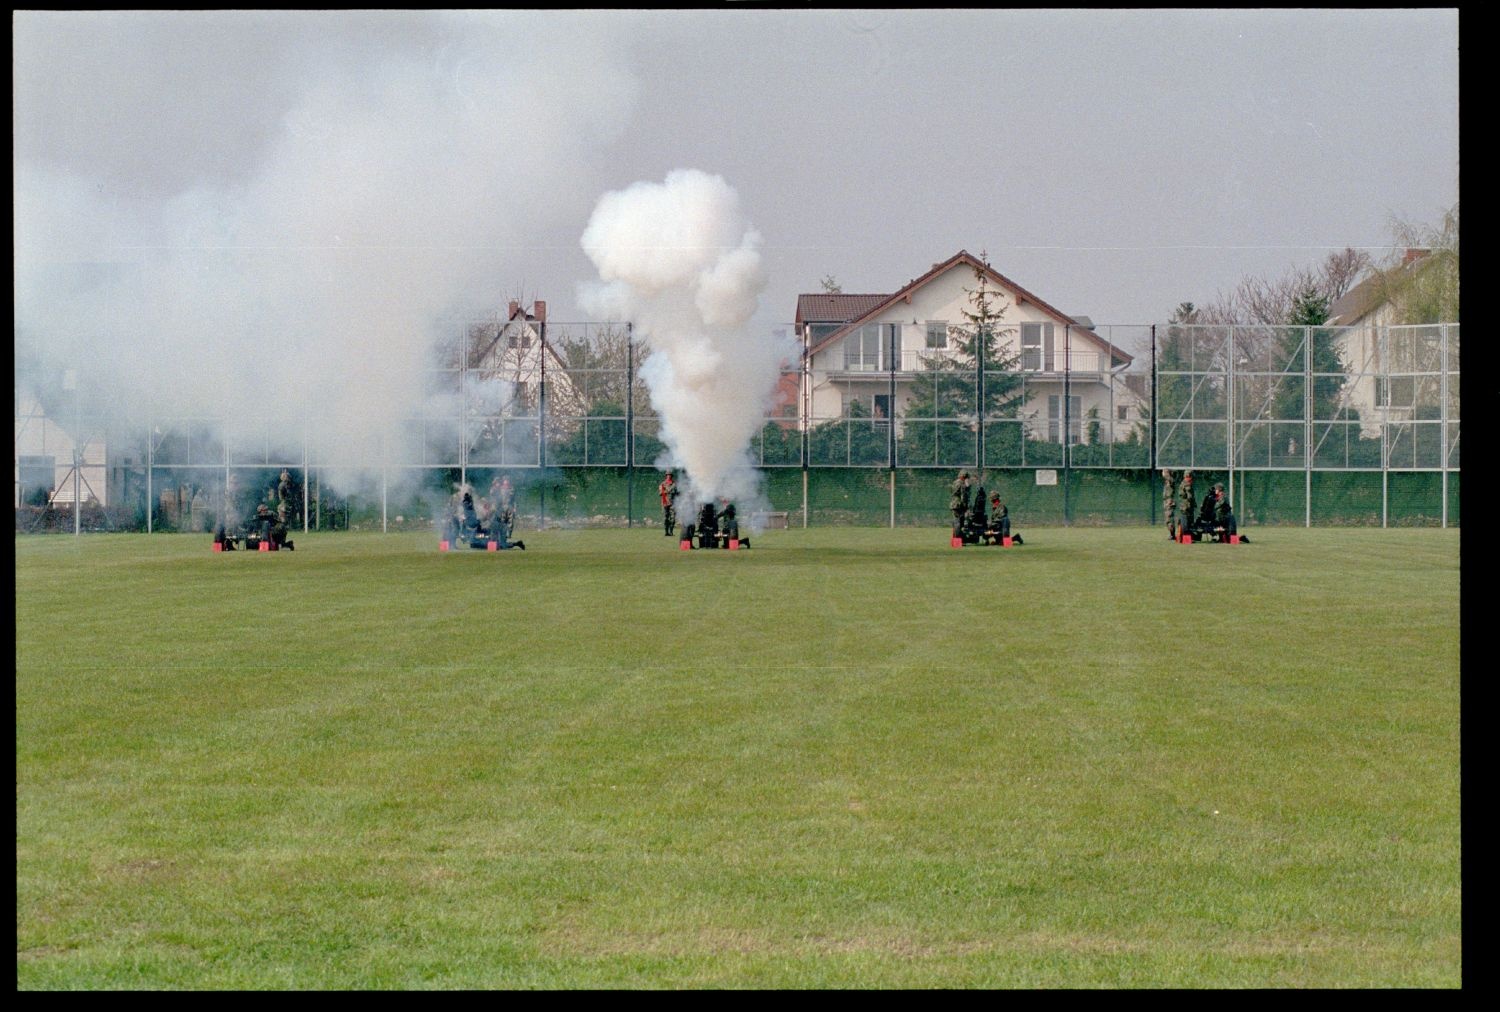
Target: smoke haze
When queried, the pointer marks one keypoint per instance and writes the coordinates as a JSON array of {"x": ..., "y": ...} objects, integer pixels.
[
  {"x": 679, "y": 260},
  {"x": 288, "y": 242}
]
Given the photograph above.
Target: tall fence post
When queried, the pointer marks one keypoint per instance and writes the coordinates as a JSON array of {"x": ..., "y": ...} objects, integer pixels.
[
  {"x": 541, "y": 418},
  {"x": 806, "y": 421},
  {"x": 1307, "y": 431},
  {"x": 1382, "y": 370},
  {"x": 981, "y": 337},
  {"x": 150, "y": 465},
  {"x": 304, "y": 468},
  {"x": 629, "y": 424},
  {"x": 1067, "y": 419},
  {"x": 1151, "y": 451},
  {"x": 1443, "y": 414},
  {"x": 890, "y": 419},
  {"x": 463, "y": 412},
  {"x": 1229, "y": 407}
]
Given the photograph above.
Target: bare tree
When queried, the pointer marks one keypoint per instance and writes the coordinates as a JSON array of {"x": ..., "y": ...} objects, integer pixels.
[
  {"x": 1272, "y": 302},
  {"x": 1420, "y": 277}
]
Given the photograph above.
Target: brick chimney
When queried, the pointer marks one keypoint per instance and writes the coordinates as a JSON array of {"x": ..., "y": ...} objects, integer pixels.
[
  {"x": 514, "y": 305},
  {"x": 1413, "y": 255},
  {"x": 539, "y": 311}
]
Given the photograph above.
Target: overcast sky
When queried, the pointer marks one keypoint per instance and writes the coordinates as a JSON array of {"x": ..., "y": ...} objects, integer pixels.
[{"x": 1116, "y": 163}]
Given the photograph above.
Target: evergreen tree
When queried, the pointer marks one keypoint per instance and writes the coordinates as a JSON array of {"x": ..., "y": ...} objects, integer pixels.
[
  {"x": 1305, "y": 336},
  {"x": 948, "y": 387},
  {"x": 1173, "y": 392}
]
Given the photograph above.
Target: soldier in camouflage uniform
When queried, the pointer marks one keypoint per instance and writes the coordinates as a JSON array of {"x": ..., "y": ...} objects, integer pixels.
[
  {"x": 279, "y": 528},
  {"x": 286, "y": 491},
  {"x": 1169, "y": 502},
  {"x": 505, "y": 503},
  {"x": 959, "y": 502},
  {"x": 1187, "y": 503},
  {"x": 999, "y": 517},
  {"x": 668, "y": 491},
  {"x": 1223, "y": 514}
]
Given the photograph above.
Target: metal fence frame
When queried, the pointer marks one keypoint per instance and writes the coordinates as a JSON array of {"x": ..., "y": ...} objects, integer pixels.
[{"x": 1231, "y": 372}]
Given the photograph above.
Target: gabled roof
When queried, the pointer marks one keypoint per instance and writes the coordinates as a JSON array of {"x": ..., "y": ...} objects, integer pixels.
[
  {"x": 879, "y": 304},
  {"x": 1357, "y": 302}
]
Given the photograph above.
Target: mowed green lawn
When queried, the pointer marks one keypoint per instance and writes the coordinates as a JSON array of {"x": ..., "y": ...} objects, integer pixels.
[{"x": 845, "y": 758}]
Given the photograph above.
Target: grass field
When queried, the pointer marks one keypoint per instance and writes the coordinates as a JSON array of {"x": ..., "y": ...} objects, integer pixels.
[{"x": 845, "y": 758}]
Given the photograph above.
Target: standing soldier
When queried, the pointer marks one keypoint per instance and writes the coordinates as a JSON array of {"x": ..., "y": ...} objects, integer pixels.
[
  {"x": 1169, "y": 502},
  {"x": 1187, "y": 503},
  {"x": 668, "y": 492},
  {"x": 285, "y": 493},
  {"x": 959, "y": 503},
  {"x": 505, "y": 503}
]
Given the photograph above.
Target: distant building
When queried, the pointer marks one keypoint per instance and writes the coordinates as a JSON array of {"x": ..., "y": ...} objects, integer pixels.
[
  {"x": 45, "y": 449},
  {"x": 849, "y": 341},
  {"x": 1394, "y": 370}
]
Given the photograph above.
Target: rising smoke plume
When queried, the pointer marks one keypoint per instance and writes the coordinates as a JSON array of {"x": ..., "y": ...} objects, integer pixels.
[
  {"x": 270, "y": 217},
  {"x": 680, "y": 261}
]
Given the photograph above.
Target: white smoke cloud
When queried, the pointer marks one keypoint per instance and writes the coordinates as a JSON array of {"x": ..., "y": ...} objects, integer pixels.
[
  {"x": 391, "y": 191},
  {"x": 680, "y": 260}
]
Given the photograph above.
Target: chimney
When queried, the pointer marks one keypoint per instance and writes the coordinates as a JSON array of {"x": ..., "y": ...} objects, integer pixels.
[
  {"x": 1413, "y": 255},
  {"x": 539, "y": 311},
  {"x": 514, "y": 305}
]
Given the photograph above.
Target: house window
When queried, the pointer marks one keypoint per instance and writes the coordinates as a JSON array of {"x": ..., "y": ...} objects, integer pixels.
[
  {"x": 1120, "y": 411},
  {"x": 35, "y": 476},
  {"x": 1054, "y": 419},
  {"x": 882, "y": 406},
  {"x": 1396, "y": 391},
  {"x": 1036, "y": 347},
  {"x": 862, "y": 349},
  {"x": 518, "y": 338},
  {"x": 937, "y": 333}
]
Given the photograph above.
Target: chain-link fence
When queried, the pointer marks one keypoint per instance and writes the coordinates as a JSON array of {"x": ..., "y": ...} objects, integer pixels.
[{"x": 1303, "y": 425}]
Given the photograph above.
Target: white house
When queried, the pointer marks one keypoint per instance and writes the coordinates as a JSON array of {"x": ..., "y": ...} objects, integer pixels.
[
  {"x": 45, "y": 458},
  {"x": 1395, "y": 371},
  {"x": 514, "y": 353},
  {"x": 850, "y": 341}
]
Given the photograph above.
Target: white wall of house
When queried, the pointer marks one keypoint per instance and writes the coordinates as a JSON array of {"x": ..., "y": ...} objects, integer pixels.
[
  {"x": 38, "y": 439},
  {"x": 1391, "y": 368}
]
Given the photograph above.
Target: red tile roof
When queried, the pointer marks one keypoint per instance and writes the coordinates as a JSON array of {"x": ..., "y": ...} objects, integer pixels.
[{"x": 835, "y": 307}]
